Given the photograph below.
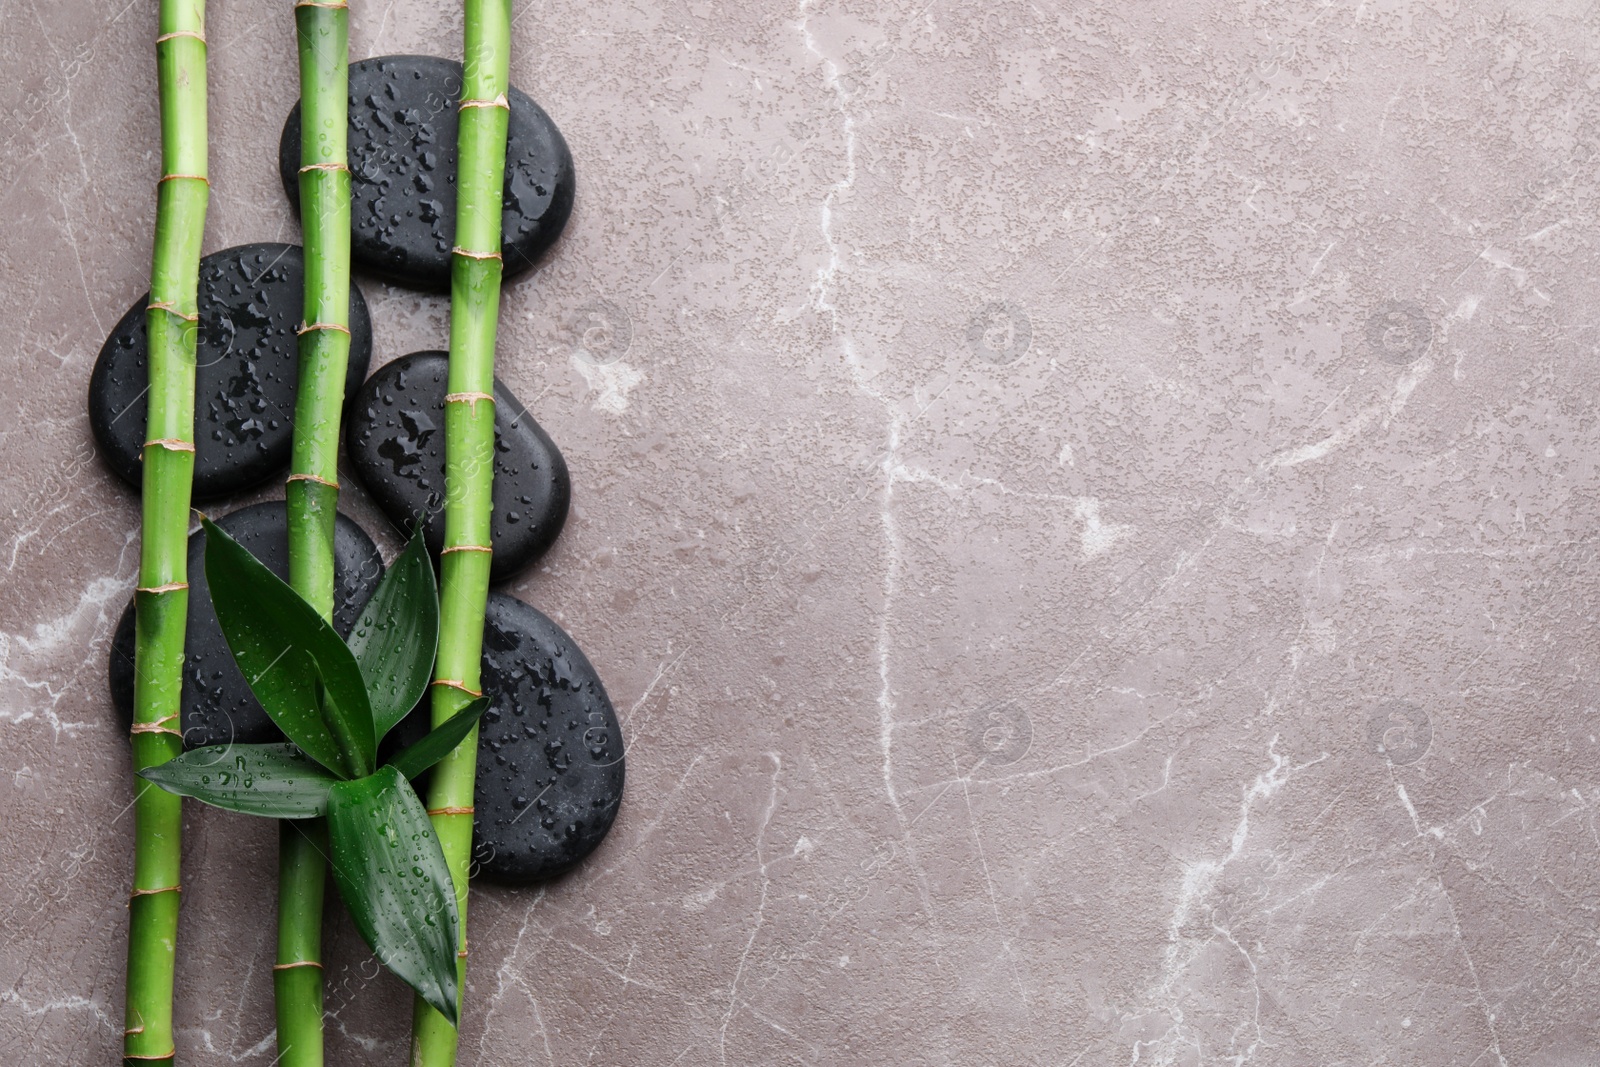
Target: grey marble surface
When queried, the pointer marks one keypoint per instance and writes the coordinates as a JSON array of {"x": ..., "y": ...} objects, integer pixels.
[{"x": 1087, "y": 511}]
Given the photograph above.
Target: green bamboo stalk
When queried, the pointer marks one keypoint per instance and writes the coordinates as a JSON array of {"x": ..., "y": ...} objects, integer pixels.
[
  {"x": 163, "y": 595},
  {"x": 312, "y": 492},
  {"x": 469, "y": 460}
]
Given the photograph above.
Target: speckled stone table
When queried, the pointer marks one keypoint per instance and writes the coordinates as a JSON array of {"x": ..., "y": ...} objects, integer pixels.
[{"x": 1087, "y": 511}]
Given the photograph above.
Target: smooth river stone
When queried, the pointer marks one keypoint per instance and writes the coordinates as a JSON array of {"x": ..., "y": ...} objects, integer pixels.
[
  {"x": 402, "y": 151},
  {"x": 550, "y": 750},
  {"x": 218, "y": 706},
  {"x": 394, "y": 437},
  {"x": 248, "y": 360}
]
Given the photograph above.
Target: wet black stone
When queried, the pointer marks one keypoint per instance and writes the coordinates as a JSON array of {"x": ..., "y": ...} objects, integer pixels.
[
  {"x": 402, "y": 151},
  {"x": 248, "y": 360},
  {"x": 218, "y": 706},
  {"x": 550, "y": 751},
  {"x": 394, "y": 436}
]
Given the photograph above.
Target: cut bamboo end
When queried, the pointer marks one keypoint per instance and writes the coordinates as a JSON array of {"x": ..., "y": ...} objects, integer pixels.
[
  {"x": 467, "y": 253},
  {"x": 171, "y": 444},
  {"x": 170, "y": 587},
  {"x": 166, "y": 305},
  {"x": 499, "y": 101},
  {"x": 323, "y": 166},
  {"x": 196, "y": 34},
  {"x": 298, "y": 963},
  {"x": 466, "y": 548},
  {"x": 456, "y": 683},
  {"x": 187, "y": 177},
  {"x": 312, "y": 327},
  {"x": 335, "y": 5},
  {"x": 311, "y": 478},
  {"x": 452, "y": 811}
]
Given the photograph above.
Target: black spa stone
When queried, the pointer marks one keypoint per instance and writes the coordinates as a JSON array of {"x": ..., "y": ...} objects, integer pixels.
[
  {"x": 550, "y": 759},
  {"x": 394, "y": 437},
  {"x": 218, "y": 706},
  {"x": 247, "y": 357},
  {"x": 402, "y": 147}
]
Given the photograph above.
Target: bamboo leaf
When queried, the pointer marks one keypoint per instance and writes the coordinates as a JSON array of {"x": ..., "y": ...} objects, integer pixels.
[
  {"x": 397, "y": 635},
  {"x": 392, "y": 876},
  {"x": 440, "y": 741},
  {"x": 284, "y": 649},
  {"x": 278, "y": 781}
]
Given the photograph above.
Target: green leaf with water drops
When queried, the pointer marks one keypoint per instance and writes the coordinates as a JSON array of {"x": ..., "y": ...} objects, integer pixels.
[
  {"x": 440, "y": 741},
  {"x": 392, "y": 876},
  {"x": 288, "y": 653},
  {"x": 278, "y": 781},
  {"x": 397, "y": 635}
]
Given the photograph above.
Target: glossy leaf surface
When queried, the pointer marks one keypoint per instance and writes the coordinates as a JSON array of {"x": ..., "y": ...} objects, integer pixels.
[
  {"x": 396, "y": 637},
  {"x": 278, "y": 781},
  {"x": 440, "y": 741},
  {"x": 283, "y": 648},
  {"x": 392, "y": 875}
]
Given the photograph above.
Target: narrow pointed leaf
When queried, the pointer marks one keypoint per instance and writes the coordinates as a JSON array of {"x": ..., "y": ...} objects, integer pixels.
[
  {"x": 392, "y": 876},
  {"x": 346, "y": 726},
  {"x": 278, "y": 781},
  {"x": 283, "y": 647},
  {"x": 397, "y": 635},
  {"x": 440, "y": 741}
]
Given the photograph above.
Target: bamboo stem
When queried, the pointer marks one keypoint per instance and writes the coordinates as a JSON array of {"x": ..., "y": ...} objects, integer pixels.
[
  {"x": 312, "y": 492},
  {"x": 297, "y": 976},
  {"x": 163, "y": 595},
  {"x": 469, "y": 460}
]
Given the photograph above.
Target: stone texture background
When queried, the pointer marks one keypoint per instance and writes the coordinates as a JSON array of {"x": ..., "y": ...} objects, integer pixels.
[{"x": 1087, "y": 510}]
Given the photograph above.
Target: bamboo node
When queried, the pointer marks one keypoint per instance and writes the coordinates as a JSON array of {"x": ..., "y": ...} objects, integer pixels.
[
  {"x": 452, "y": 811},
  {"x": 314, "y": 326},
  {"x": 466, "y": 548},
  {"x": 311, "y": 478},
  {"x": 165, "y": 1056},
  {"x": 469, "y": 254},
  {"x": 134, "y": 1030},
  {"x": 159, "y": 726},
  {"x": 297, "y": 963},
  {"x": 456, "y": 683},
  {"x": 152, "y": 728},
  {"x": 322, "y": 166},
  {"x": 153, "y": 892},
  {"x": 171, "y": 444},
  {"x": 196, "y": 34},
  {"x": 472, "y": 399},
  {"x": 461, "y": 955},
  {"x": 168, "y": 588},
  {"x": 499, "y": 101},
  {"x": 166, "y": 305},
  {"x": 174, "y": 177}
]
